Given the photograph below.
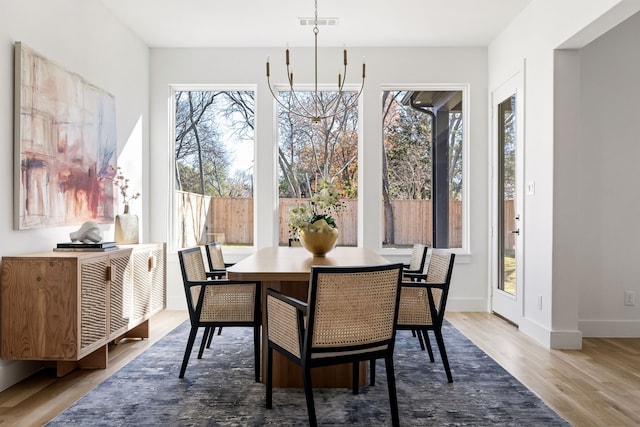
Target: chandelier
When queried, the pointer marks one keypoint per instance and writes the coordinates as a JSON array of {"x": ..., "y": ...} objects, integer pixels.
[{"x": 321, "y": 108}]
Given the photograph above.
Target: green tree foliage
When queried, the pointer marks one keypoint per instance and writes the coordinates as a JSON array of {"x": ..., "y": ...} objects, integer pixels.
[{"x": 408, "y": 136}]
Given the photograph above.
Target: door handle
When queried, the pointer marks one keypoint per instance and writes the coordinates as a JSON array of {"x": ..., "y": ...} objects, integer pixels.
[{"x": 515, "y": 231}]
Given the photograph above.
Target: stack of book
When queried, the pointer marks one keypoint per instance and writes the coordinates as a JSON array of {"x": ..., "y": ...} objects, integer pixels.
[{"x": 87, "y": 247}]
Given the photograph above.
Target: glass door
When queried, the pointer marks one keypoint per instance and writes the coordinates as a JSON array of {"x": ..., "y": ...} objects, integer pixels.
[{"x": 507, "y": 286}]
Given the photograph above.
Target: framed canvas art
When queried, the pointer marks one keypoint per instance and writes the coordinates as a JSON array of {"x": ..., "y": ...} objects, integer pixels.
[{"x": 65, "y": 140}]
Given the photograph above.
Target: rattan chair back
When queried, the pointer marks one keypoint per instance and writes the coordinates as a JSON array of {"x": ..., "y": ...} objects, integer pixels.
[
  {"x": 418, "y": 258},
  {"x": 215, "y": 256},
  {"x": 350, "y": 317},
  {"x": 351, "y": 308}
]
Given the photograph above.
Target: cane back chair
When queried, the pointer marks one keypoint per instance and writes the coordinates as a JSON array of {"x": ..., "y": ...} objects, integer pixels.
[
  {"x": 216, "y": 303},
  {"x": 423, "y": 300},
  {"x": 350, "y": 317},
  {"x": 217, "y": 270},
  {"x": 417, "y": 260}
]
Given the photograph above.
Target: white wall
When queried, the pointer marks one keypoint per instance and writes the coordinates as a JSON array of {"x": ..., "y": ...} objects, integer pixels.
[
  {"x": 608, "y": 177},
  {"x": 81, "y": 36},
  {"x": 385, "y": 66},
  {"x": 532, "y": 38}
]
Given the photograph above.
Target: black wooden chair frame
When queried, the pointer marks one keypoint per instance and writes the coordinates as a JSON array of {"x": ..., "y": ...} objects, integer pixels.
[
  {"x": 305, "y": 319},
  {"x": 195, "y": 312}
]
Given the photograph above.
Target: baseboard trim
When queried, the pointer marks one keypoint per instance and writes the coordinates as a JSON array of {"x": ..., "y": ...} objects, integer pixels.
[
  {"x": 558, "y": 340},
  {"x": 467, "y": 304},
  {"x": 610, "y": 328}
]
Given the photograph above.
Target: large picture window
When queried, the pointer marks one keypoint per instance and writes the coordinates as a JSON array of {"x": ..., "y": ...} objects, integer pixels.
[
  {"x": 309, "y": 152},
  {"x": 214, "y": 167},
  {"x": 422, "y": 168}
]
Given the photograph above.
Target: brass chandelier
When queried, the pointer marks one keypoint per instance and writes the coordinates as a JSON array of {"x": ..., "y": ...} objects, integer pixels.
[{"x": 336, "y": 105}]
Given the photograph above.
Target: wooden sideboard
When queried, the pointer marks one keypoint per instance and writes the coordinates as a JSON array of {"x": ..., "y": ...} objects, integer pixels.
[{"x": 64, "y": 308}]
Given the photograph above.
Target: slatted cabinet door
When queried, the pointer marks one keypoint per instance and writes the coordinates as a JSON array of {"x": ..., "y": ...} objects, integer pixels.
[
  {"x": 93, "y": 304},
  {"x": 119, "y": 295},
  {"x": 149, "y": 274},
  {"x": 158, "y": 273}
]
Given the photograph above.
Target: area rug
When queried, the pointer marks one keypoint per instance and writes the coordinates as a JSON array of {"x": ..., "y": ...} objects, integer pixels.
[{"x": 219, "y": 390}]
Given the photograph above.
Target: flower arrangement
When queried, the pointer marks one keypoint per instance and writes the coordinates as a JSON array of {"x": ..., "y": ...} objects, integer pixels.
[
  {"x": 122, "y": 183},
  {"x": 322, "y": 205}
]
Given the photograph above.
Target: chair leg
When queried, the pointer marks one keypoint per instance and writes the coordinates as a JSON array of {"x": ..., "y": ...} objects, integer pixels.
[
  {"x": 372, "y": 372},
  {"x": 393, "y": 398},
  {"x": 219, "y": 330},
  {"x": 443, "y": 354},
  {"x": 355, "y": 377},
  {"x": 425, "y": 334},
  {"x": 269, "y": 382},
  {"x": 308, "y": 393},
  {"x": 187, "y": 352},
  {"x": 213, "y": 331},
  {"x": 203, "y": 343},
  {"x": 419, "y": 334},
  {"x": 256, "y": 351}
]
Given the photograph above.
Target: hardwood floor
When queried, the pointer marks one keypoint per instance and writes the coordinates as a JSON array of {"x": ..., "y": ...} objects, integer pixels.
[{"x": 597, "y": 386}]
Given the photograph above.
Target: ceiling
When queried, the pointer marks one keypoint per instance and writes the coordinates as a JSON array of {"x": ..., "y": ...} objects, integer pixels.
[{"x": 361, "y": 23}]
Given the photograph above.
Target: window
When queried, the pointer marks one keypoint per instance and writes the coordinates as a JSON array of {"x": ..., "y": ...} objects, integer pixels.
[
  {"x": 422, "y": 168},
  {"x": 214, "y": 153},
  {"x": 311, "y": 151}
]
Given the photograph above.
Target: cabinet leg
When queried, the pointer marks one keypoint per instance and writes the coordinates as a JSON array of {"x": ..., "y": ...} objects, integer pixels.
[
  {"x": 140, "y": 331},
  {"x": 64, "y": 367},
  {"x": 96, "y": 360}
]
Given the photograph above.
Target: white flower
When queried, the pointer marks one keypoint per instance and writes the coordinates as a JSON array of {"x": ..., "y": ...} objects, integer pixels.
[{"x": 324, "y": 203}]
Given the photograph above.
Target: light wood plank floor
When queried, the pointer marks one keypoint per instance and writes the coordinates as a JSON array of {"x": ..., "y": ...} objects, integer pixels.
[{"x": 597, "y": 386}]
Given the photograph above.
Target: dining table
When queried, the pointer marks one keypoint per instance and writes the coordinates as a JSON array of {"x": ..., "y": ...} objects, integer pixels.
[{"x": 287, "y": 270}]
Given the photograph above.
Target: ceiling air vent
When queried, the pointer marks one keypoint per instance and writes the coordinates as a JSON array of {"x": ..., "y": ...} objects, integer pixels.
[{"x": 321, "y": 21}]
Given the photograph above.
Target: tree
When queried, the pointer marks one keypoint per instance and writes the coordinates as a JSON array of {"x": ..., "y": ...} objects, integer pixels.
[
  {"x": 309, "y": 152},
  {"x": 407, "y": 154},
  {"x": 207, "y": 123}
]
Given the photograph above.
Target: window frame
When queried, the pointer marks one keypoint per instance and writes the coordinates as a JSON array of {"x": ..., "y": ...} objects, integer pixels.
[
  {"x": 466, "y": 142},
  {"x": 277, "y": 88},
  {"x": 214, "y": 87}
]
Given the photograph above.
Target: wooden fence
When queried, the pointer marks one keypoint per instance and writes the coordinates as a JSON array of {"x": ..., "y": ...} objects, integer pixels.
[{"x": 230, "y": 220}]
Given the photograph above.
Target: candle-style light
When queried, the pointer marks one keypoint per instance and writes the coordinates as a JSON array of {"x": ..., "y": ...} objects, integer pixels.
[{"x": 334, "y": 106}]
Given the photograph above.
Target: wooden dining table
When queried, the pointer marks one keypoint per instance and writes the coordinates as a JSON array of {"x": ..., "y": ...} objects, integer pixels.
[{"x": 287, "y": 269}]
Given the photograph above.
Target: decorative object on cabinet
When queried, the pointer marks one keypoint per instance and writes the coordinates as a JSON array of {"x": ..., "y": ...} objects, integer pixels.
[
  {"x": 89, "y": 247},
  {"x": 64, "y": 308},
  {"x": 126, "y": 227},
  {"x": 89, "y": 232},
  {"x": 126, "y": 224},
  {"x": 62, "y": 142}
]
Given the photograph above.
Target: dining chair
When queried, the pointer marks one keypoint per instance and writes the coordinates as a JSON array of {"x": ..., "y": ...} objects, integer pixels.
[
  {"x": 417, "y": 260},
  {"x": 423, "y": 300},
  {"x": 215, "y": 259},
  {"x": 217, "y": 270},
  {"x": 216, "y": 303},
  {"x": 350, "y": 317}
]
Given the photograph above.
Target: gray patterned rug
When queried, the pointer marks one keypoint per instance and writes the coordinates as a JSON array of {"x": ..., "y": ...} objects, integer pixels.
[{"x": 219, "y": 390}]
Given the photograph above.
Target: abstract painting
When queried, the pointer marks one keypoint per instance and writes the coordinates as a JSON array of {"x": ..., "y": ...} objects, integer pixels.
[{"x": 65, "y": 140}]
